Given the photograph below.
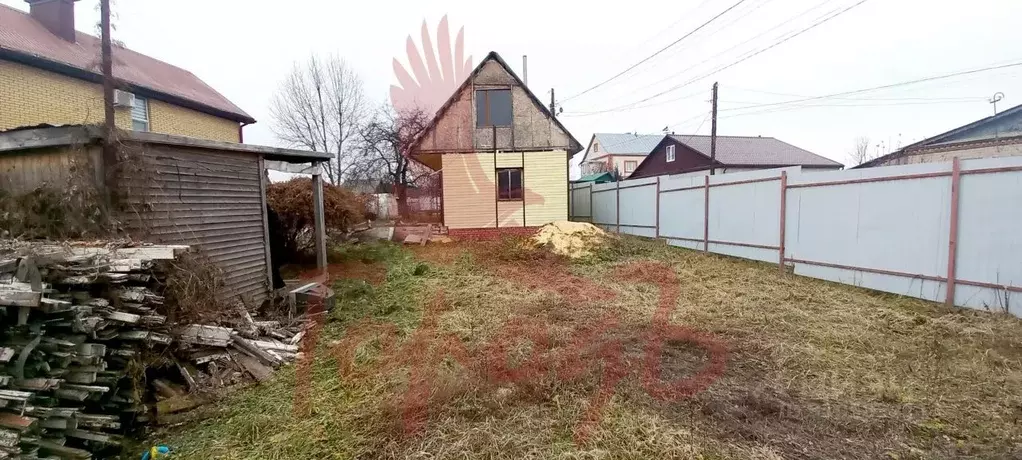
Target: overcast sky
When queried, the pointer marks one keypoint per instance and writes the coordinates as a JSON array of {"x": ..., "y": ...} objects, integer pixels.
[{"x": 243, "y": 48}]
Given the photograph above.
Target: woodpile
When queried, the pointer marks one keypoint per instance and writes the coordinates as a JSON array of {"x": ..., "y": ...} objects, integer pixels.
[{"x": 89, "y": 355}]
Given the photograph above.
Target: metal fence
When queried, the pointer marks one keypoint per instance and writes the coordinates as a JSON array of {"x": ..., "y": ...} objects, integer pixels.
[{"x": 938, "y": 231}]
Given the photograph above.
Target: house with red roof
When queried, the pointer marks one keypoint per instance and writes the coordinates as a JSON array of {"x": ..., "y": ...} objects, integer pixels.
[{"x": 50, "y": 74}]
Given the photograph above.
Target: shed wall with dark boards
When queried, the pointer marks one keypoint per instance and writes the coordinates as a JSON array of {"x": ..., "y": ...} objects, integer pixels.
[{"x": 180, "y": 195}]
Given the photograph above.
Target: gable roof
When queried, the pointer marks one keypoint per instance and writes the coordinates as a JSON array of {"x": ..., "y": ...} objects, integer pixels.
[
  {"x": 754, "y": 151},
  {"x": 492, "y": 55},
  {"x": 626, "y": 143},
  {"x": 26, "y": 41},
  {"x": 969, "y": 133}
]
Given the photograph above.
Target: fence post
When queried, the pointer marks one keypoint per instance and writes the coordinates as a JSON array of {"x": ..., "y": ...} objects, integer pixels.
[
  {"x": 617, "y": 201},
  {"x": 706, "y": 214},
  {"x": 952, "y": 249},
  {"x": 656, "y": 224},
  {"x": 591, "y": 203},
  {"x": 784, "y": 213}
]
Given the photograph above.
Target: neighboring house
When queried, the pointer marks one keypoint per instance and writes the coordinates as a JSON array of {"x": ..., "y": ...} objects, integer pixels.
[
  {"x": 504, "y": 157},
  {"x": 678, "y": 154},
  {"x": 49, "y": 74},
  {"x": 617, "y": 153},
  {"x": 995, "y": 136}
]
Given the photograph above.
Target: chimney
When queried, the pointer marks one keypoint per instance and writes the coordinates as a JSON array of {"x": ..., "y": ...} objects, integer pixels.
[{"x": 58, "y": 16}]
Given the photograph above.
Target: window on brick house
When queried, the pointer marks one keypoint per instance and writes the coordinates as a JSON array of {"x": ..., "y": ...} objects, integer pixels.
[
  {"x": 493, "y": 107},
  {"x": 509, "y": 184},
  {"x": 140, "y": 114},
  {"x": 670, "y": 153}
]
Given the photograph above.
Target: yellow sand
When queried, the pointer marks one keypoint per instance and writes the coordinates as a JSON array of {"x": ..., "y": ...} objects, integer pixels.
[{"x": 571, "y": 239}]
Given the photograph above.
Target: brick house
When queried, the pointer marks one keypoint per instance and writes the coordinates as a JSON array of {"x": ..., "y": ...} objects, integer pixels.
[
  {"x": 502, "y": 156},
  {"x": 49, "y": 74},
  {"x": 619, "y": 154},
  {"x": 679, "y": 154},
  {"x": 998, "y": 135}
]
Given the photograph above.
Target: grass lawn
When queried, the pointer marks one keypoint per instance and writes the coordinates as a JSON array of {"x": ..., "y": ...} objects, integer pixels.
[{"x": 490, "y": 351}]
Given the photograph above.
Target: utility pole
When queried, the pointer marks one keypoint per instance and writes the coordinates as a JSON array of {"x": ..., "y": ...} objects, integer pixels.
[
  {"x": 713, "y": 132},
  {"x": 109, "y": 126},
  {"x": 552, "y": 103}
]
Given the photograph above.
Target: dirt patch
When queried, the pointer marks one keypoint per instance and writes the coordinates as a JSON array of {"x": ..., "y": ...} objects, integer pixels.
[{"x": 439, "y": 254}]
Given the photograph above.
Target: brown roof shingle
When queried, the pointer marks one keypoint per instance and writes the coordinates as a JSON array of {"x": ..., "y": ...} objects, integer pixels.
[
  {"x": 24, "y": 37},
  {"x": 758, "y": 151}
]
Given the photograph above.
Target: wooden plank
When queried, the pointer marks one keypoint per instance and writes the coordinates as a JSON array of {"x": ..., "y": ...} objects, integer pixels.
[
  {"x": 16, "y": 422},
  {"x": 253, "y": 366},
  {"x": 319, "y": 221},
  {"x": 58, "y": 450},
  {"x": 19, "y": 299},
  {"x": 127, "y": 318},
  {"x": 248, "y": 348},
  {"x": 199, "y": 334}
]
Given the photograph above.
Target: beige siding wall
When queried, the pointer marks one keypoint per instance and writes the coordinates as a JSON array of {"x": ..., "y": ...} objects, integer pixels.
[
  {"x": 978, "y": 152},
  {"x": 509, "y": 160},
  {"x": 546, "y": 187},
  {"x": 30, "y": 96},
  {"x": 469, "y": 191},
  {"x": 512, "y": 213},
  {"x": 470, "y": 199}
]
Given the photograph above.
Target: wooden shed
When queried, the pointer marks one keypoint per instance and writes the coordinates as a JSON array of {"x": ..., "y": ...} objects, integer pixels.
[{"x": 171, "y": 190}]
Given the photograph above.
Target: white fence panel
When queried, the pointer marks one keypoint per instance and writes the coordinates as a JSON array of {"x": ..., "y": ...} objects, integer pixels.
[
  {"x": 990, "y": 235},
  {"x": 580, "y": 204},
  {"x": 638, "y": 207},
  {"x": 898, "y": 225},
  {"x": 885, "y": 228},
  {"x": 745, "y": 214},
  {"x": 604, "y": 200}
]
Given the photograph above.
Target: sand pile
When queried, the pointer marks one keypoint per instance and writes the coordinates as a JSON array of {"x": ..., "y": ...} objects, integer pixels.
[{"x": 571, "y": 239}]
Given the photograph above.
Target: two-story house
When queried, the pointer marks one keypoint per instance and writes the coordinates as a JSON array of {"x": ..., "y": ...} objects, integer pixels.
[
  {"x": 503, "y": 155},
  {"x": 619, "y": 154},
  {"x": 49, "y": 74}
]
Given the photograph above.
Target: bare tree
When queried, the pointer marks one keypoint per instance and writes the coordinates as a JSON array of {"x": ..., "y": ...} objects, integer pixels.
[
  {"x": 319, "y": 107},
  {"x": 384, "y": 144},
  {"x": 862, "y": 152}
]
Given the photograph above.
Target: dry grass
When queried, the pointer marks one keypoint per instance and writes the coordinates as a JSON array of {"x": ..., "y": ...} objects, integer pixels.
[{"x": 814, "y": 369}]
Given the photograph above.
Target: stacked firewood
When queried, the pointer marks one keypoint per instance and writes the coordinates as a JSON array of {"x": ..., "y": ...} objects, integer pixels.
[{"x": 88, "y": 355}]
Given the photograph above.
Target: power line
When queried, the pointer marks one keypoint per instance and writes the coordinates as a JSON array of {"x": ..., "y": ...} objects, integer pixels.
[
  {"x": 724, "y": 52},
  {"x": 748, "y": 56},
  {"x": 597, "y": 112},
  {"x": 881, "y": 87},
  {"x": 657, "y": 53}
]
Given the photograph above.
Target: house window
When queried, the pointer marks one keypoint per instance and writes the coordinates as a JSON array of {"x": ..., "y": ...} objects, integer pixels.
[
  {"x": 140, "y": 114},
  {"x": 670, "y": 153},
  {"x": 493, "y": 107},
  {"x": 509, "y": 184},
  {"x": 596, "y": 148},
  {"x": 630, "y": 166}
]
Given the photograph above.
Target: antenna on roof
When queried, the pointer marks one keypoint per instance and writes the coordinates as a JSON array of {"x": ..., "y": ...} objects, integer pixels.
[
  {"x": 998, "y": 96},
  {"x": 666, "y": 129}
]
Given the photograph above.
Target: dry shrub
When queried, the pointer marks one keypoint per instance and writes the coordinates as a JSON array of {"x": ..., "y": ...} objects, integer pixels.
[
  {"x": 70, "y": 210},
  {"x": 292, "y": 201},
  {"x": 192, "y": 284}
]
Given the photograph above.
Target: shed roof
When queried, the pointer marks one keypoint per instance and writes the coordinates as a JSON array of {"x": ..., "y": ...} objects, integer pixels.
[
  {"x": 598, "y": 178},
  {"x": 20, "y": 139},
  {"x": 27, "y": 41},
  {"x": 627, "y": 143},
  {"x": 755, "y": 151}
]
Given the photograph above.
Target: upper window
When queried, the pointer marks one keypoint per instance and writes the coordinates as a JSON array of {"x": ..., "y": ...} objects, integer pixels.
[
  {"x": 140, "y": 114},
  {"x": 596, "y": 148},
  {"x": 509, "y": 184},
  {"x": 670, "y": 153},
  {"x": 630, "y": 166},
  {"x": 493, "y": 107}
]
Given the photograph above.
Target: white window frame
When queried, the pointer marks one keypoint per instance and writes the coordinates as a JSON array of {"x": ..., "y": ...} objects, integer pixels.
[
  {"x": 145, "y": 118},
  {"x": 596, "y": 147},
  {"x": 670, "y": 153},
  {"x": 635, "y": 164}
]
